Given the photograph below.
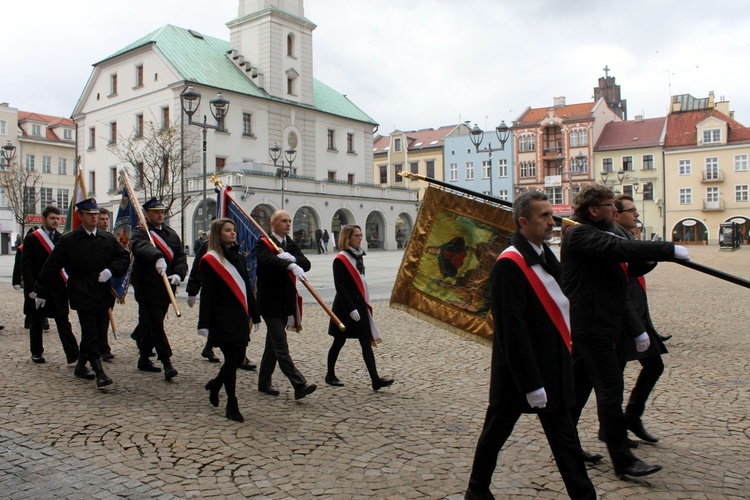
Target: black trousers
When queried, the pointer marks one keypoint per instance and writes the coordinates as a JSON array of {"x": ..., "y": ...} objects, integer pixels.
[
  {"x": 64, "y": 330},
  {"x": 93, "y": 322},
  {"x": 595, "y": 364},
  {"x": 104, "y": 341},
  {"x": 561, "y": 436},
  {"x": 234, "y": 354},
  {"x": 151, "y": 329},
  {"x": 277, "y": 350},
  {"x": 367, "y": 355},
  {"x": 651, "y": 369}
]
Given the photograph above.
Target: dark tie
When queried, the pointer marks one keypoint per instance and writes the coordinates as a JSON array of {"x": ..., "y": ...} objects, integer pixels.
[
  {"x": 283, "y": 244},
  {"x": 92, "y": 236},
  {"x": 52, "y": 235}
]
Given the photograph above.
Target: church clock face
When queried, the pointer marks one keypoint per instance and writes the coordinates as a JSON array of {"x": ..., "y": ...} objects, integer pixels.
[{"x": 292, "y": 140}]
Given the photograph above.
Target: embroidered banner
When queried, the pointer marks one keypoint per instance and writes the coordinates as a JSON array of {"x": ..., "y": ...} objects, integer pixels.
[
  {"x": 247, "y": 235},
  {"x": 125, "y": 223}
]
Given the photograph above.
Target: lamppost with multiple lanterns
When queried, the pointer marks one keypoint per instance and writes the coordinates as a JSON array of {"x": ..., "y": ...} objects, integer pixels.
[
  {"x": 578, "y": 162},
  {"x": 282, "y": 171},
  {"x": 621, "y": 177},
  {"x": 502, "y": 132}
]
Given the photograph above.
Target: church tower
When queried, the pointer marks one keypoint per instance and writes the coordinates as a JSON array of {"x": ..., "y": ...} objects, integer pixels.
[
  {"x": 610, "y": 91},
  {"x": 271, "y": 41}
]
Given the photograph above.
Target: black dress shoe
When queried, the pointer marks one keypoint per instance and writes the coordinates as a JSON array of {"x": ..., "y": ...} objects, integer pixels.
[
  {"x": 270, "y": 390},
  {"x": 72, "y": 358},
  {"x": 37, "y": 359},
  {"x": 663, "y": 338},
  {"x": 233, "y": 411},
  {"x": 247, "y": 365},
  {"x": 169, "y": 371},
  {"x": 107, "y": 357},
  {"x": 334, "y": 381},
  {"x": 631, "y": 444},
  {"x": 213, "y": 394},
  {"x": 82, "y": 372},
  {"x": 636, "y": 427},
  {"x": 591, "y": 458},
  {"x": 208, "y": 353},
  {"x": 478, "y": 495},
  {"x": 305, "y": 390},
  {"x": 46, "y": 324},
  {"x": 638, "y": 469},
  {"x": 381, "y": 382},
  {"x": 145, "y": 365}
]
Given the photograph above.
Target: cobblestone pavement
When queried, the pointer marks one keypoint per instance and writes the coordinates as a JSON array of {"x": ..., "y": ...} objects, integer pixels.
[{"x": 60, "y": 437}]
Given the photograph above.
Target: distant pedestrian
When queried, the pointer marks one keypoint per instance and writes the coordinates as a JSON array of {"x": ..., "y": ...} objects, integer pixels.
[
  {"x": 326, "y": 237},
  {"x": 319, "y": 240}
]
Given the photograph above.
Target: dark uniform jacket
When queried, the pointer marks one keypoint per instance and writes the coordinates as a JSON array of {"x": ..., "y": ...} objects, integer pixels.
[
  {"x": 18, "y": 267},
  {"x": 193, "y": 287},
  {"x": 593, "y": 278},
  {"x": 277, "y": 294},
  {"x": 147, "y": 282},
  {"x": 32, "y": 261},
  {"x": 220, "y": 311},
  {"x": 348, "y": 298},
  {"x": 528, "y": 351},
  {"x": 83, "y": 258}
]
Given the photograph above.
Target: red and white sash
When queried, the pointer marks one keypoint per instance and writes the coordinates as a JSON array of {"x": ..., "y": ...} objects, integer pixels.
[
  {"x": 359, "y": 280},
  {"x": 43, "y": 238},
  {"x": 295, "y": 320},
  {"x": 162, "y": 245},
  {"x": 641, "y": 279},
  {"x": 554, "y": 301},
  {"x": 230, "y": 275}
]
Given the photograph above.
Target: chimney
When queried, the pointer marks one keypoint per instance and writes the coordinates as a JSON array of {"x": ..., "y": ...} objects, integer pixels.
[
  {"x": 638, "y": 118},
  {"x": 558, "y": 102}
]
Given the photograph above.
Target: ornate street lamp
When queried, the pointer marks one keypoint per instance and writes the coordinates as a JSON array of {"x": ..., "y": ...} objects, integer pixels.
[
  {"x": 282, "y": 171},
  {"x": 476, "y": 134}
]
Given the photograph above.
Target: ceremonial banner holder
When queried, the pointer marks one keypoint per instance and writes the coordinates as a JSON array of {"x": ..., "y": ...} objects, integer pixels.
[
  {"x": 137, "y": 207},
  {"x": 263, "y": 233},
  {"x": 568, "y": 222}
]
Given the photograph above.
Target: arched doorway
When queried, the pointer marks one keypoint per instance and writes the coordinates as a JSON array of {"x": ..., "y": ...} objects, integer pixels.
[
  {"x": 262, "y": 215},
  {"x": 690, "y": 232},
  {"x": 340, "y": 218},
  {"x": 199, "y": 223},
  {"x": 744, "y": 223},
  {"x": 304, "y": 224},
  {"x": 375, "y": 230},
  {"x": 404, "y": 226}
]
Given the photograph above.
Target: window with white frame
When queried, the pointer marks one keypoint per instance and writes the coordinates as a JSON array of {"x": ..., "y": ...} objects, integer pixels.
[
  {"x": 430, "y": 164},
  {"x": 579, "y": 138},
  {"x": 554, "y": 194},
  {"x": 469, "y": 170},
  {"x": 686, "y": 196},
  {"x": 29, "y": 162},
  {"x": 740, "y": 192},
  {"x": 453, "y": 171},
  {"x": 397, "y": 145},
  {"x": 247, "y": 124},
  {"x": 62, "y": 166},
  {"x": 46, "y": 164},
  {"x": 62, "y": 197},
  {"x": 530, "y": 143},
  {"x": 502, "y": 167},
  {"x": 648, "y": 162},
  {"x": 712, "y": 168},
  {"x": 532, "y": 169},
  {"x": 67, "y": 134},
  {"x": 521, "y": 143},
  {"x": 36, "y": 130},
  {"x": 45, "y": 197},
  {"x": 648, "y": 191},
  {"x": 29, "y": 199},
  {"x": 583, "y": 168},
  {"x": 685, "y": 167},
  {"x": 503, "y": 194},
  {"x": 712, "y": 194},
  {"x": 486, "y": 164},
  {"x": 712, "y": 135},
  {"x": 740, "y": 163},
  {"x": 3, "y": 127},
  {"x": 383, "y": 174},
  {"x": 607, "y": 165}
]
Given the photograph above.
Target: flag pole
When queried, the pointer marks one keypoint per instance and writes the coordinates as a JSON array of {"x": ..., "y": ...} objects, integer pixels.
[
  {"x": 112, "y": 322},
  {"x": 137, "y": 207},
  {"x": 307, "y": 284}
]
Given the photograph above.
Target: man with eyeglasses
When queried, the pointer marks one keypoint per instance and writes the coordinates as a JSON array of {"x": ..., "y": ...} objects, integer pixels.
[{"x": 594, "y": 281}]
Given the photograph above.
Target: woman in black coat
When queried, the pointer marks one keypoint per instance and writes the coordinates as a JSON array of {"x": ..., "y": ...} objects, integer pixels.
[
  {"x": 227, "y": 302},
  {"x": 351, "y": 306}
]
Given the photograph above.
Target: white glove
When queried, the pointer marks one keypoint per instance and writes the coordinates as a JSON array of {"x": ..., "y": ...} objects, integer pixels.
[
  {"x": 17, "y": 288},
  {"x": 642, "y": 342},
  {"x": 203, "y": 332},
  {"x": 287, "y": 256},
  {"x": 175, "y": 279},
  {"x": 39, "y": 302},
  {"x": 256, "y": 327},
  {"x": 32, "y": 295},
  {"x": 537, "y": 398},
  {"x": 355, "y": 315},
  {"x": 161, "y": 266},
  {"x": 298, "y": 272},
  {"x": 105, "y": 275},
  {"x": 192, "y": 299},
  {"x": 681, "y": 253}
]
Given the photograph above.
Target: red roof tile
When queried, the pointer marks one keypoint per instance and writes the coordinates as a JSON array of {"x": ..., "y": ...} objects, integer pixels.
[
  {"x": 681, "y": 128},
  {"x": 569, "y": 112},
  {"x": 631, "y": 134},
  {"x": 417, "y": 139}
]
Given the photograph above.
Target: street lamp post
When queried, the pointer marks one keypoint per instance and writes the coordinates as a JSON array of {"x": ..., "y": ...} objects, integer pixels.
[
  {"x": 190, "y": 100},
  {"x": 9, "y": 152},
  {"x": 502, "y": 132},
  {"x": 282, "y": 171},
  {"x": 636, "y": 188}
]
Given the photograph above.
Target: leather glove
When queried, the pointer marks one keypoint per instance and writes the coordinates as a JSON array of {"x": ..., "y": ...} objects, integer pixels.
[
  {"x": 203, "y": 332},
  {"x": 105, "y": 275},
  {"x": 256, "y": 327},
  {"x": 355, "y": 315},
  {"x": 298, "y": 272},
  {"x": 681, "y": 253},
  {"x": 537, "y": 398},
  {"x": 642, "y": 342},
  {"x": 287, "y": 256},
  {"x": 161, "y": 266},
  {"x": 39, "y": 303},
  {"x": 192, "y": 299},
  {"x": 17, "y": 288},
  {"x": 175, "y": 279}
]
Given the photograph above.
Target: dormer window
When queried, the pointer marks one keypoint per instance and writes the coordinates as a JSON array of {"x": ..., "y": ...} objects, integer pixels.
[
  {"x": 290, "y": 45},
  {"x": 712, "y": 135},
  {"x": 36, "y": 130}
]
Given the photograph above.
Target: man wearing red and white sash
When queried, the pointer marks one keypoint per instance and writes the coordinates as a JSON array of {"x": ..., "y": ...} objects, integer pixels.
[
  {"x": 37, "y": 247},
  {"x": 531, "y": 360},
  {"x": 165, "y": 257},
  {"x": 280, "y": 304}
]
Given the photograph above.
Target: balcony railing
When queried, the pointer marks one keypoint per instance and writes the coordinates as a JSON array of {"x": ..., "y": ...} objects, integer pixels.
[
  {"x": 709, "y": 205},
  {"x": 712, "y": 176}
]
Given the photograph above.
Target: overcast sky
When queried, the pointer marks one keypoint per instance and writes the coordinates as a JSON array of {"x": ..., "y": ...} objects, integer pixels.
[{"x": 420, "y": 63}]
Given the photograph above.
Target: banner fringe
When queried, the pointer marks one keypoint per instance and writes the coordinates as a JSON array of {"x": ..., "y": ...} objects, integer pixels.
[{"x": 441, "y": 324}]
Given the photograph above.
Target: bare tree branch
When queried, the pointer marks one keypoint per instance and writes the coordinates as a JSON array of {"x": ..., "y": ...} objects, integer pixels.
[{"x": 21, "y": 193}]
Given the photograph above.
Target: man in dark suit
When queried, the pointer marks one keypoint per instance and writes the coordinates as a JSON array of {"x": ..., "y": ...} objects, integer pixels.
[
  {"x": 104, "y": 349},
  {"x": 90, "y": 257},
  {"x": 594, "y": 281},
  {"x": 531, "y": 364},
  {"x": 37, "y": 247},
  {"x": 319, "y": 240},
  {"x": 165, "y": 257},
  {"x": 280, "y": 305}
]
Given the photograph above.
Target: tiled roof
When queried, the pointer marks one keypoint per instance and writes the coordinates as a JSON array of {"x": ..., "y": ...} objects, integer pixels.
[
  {"x": 569, "y": 112},
  {"x": 202, "y": 59},
  {"x": 49, "y": 121},
  {"x": 631, "y": 134},
  {"x": 681, "y": 128},
  {"x": 417, "y": 139}
]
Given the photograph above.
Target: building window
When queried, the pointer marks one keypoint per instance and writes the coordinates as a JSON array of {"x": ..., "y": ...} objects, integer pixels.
[
  {"x": 686, "y": 196},
  {"x": 113, "y": 84},
  {"x": 579, "y": 138},
  {"x": 138, "y": 126},
  {"x": 430, "y": 168},
  {"x": 29, "y": 200},
  {"x": 62, "y": 198},
  {"x": 532, "y": 169},
  {"x": 469, "y": 170},
  {"x": 165, "y": 118},
  {"x": 627, "y": 163},
  {"x": 290, "y": 86},
  {"x": 686, "y": 167},
  {"x": 383, "y": 174},
  {"x": 45, "y": 197},
  {"x": 453, "y": 172},
  {"x": 648, "y": 191},
  {"x": 113, "y": 179},
  {"x": 486, "y": 169},
  {"x": 607, "y": 165},
  {"x": 3, "y": 127},
  {"x": 740, "y": 163},
  {"x": 92, "y": 183},
  {"x": 712, "y": 168},
  {"x": 397, "y": 145},
  {"x": 521, "y": 143},
  {"x": 502, "y": 167},
  {"x": 36, "y": 130},
  {"x": 29, "y": 162},
  {"x": 113, "y": 133},
  {"x": 139, "y": 76},
  {"x": 713, "y": 135},
  {"x": 582, "y": 169},
  {"x": 68, "y": 134},
  {"x": 503, "y": 195},
  {"x": 247, "y": 124},
  {"x": 555, "y": 195},
  {"x": 350, "y": 143},
  {"x": 531, "y": 143},
  {"x": 350, "y": 178},
  {"x": 414, "y": 167},
  {"x": 648, "y": 162},
  {"x": 92, "y": 137},
  {"x": 740, "y": 192},
  {"x": 331, "y": 175},
  {"x": 712, "y": 194},
  {"x": 62, "y": 166},
  {"x": 46, "y": 164},
  {"x": 398, "y": 167},
  {"x": 290, "y": 45},
  {"x": 627, "y": 190},
  {"x": 220, "y": 163},
  {"x": 331, "y": 140}
]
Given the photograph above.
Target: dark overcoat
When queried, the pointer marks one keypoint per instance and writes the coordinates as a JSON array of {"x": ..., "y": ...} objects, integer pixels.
[
  {"x": 277, "y": 293},
  {"x": 147, "y": 282},
  {"x": 348, "y": 298},
  {"x": 34, "y": 256}
]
